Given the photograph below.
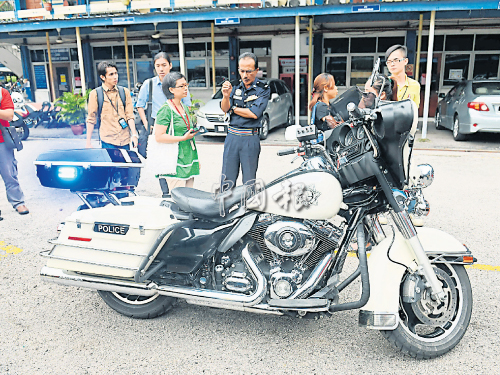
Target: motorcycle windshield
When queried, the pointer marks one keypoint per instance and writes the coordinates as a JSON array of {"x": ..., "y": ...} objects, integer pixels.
[{"x": 392, "y": 129}]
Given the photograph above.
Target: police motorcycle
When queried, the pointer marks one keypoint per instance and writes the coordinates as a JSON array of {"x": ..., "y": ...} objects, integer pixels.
[{"x": 278, "y": 248}]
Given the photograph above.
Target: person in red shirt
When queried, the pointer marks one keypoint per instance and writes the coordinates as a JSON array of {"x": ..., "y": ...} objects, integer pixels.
[{"x": 8, "y": 163}]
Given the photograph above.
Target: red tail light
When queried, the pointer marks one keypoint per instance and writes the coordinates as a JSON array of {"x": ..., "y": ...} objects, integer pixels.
[{"x": 478, "y": 106}]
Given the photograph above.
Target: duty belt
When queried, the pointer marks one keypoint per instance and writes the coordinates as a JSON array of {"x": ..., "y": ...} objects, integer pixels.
[{"x": 242, "y": 131}]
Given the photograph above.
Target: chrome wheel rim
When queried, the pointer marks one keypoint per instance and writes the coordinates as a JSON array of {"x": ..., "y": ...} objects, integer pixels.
[
  {"x": 131, "y": 299},
  {"x": 290, "y": 117},
  {"x": 455, "y": 127},
  {"x": 265, "y": 127},
  {"x": 437, "y": 121},
  {"x": 431, "y": 321}
]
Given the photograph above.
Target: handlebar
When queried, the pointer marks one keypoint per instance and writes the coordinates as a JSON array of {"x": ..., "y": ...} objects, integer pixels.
[{"x": 289, "y": 151}]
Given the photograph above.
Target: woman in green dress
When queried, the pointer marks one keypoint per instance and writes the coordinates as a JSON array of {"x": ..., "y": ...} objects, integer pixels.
[{"x": 175, "y": 87}]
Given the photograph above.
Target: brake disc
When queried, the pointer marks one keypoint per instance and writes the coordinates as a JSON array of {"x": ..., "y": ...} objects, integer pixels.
[{"x": 435, "y": 312}]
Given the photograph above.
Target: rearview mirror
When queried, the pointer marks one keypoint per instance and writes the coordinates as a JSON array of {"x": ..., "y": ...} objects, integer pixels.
[
  {"x": 441, "y": 95},
  {"x": 274, "y": 97}
]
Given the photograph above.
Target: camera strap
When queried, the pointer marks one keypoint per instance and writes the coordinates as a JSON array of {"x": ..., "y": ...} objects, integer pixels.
[{"x": 111, "y": 102}]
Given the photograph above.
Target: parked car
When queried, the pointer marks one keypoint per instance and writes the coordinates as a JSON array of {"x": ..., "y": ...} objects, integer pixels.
[
  {"x": 279, "y": 111},
  {"x": 471, "y": 106}
]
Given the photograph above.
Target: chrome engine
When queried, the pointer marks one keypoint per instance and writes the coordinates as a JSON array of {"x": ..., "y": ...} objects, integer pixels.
[{"x": 291, "y": 249}]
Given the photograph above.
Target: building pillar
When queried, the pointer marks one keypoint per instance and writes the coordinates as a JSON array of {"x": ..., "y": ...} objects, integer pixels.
[
  {"x": 411, "y": 44},
  {"x": 234, "y": 51},
  {"x": 88, "y": 63},
  {"x": 27, "y": 71},
  {"x": 317, "y": 54}
]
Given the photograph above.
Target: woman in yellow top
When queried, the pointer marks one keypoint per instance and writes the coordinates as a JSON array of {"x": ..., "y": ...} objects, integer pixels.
[{"x": 396, "y": 60}]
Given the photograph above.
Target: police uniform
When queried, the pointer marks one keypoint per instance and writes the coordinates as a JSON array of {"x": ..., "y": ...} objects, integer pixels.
[{"x": 242, "y": 144}]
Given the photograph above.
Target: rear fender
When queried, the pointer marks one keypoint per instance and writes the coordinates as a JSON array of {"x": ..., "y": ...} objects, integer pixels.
[{"x": 381, "y": 310}]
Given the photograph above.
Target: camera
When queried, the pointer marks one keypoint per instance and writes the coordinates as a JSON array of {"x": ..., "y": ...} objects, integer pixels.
[{"x": 122, "y": 123}]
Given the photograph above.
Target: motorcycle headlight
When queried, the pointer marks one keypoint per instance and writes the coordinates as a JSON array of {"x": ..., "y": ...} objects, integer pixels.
[{"x": 425, "y": 177}]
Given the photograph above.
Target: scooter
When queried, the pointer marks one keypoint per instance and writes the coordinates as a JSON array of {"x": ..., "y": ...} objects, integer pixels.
[{"x": 276, "y": 248}]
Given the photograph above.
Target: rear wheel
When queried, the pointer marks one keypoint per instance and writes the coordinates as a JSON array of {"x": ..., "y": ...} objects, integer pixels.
[
  {"x": 457, "y": 136},
  {"x": 141, "y": 307},
  {"x": 437, "y": 121},
  {"x": 23, "y": 131},
  {"x": 264, "y": 130},
  {"x": 429, "y": 328}
]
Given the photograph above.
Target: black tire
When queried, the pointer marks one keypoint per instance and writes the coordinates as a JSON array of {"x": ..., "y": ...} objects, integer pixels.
[
  {"x": 457, "y": 136},
  {"x": 439, "y": 338},
  {"x": 264, "y": 130},
  {"x": 289, "y": 117},
  {"x": 23, "y": 131},
  {"x": 438, "y": 121},
  {"x": 138, "y": 307}
]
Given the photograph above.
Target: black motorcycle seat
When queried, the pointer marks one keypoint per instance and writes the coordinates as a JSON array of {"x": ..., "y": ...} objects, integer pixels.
[{"x": 203, "y": 203}]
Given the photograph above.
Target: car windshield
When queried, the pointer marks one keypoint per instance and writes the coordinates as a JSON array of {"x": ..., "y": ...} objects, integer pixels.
[
  {"x": 217, "y": 95},
  {"x": 486, "y": 88}
]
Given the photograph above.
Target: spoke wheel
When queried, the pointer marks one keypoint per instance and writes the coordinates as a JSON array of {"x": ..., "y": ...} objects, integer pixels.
[
  {"x": 264, "y": 131},
  {"x": 457, "y": 136},
  {"x": 429, "y": 328},
  {"x": 141, "y": 307},
  {"x": 437, "y": 121}
]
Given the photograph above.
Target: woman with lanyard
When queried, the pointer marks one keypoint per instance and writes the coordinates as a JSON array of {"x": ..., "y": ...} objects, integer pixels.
[
  {"x": 175, "y": 87},
  {"x": 152, "y": 97}
]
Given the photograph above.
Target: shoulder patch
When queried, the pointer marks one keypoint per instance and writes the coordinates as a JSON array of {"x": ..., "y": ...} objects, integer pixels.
[{"x": 263, "y": 84}]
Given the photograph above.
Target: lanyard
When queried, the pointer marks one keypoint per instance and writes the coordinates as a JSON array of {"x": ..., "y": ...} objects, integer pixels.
[
  {"x": 188, "y": 124},
  {"x": 115, "y": 108}
]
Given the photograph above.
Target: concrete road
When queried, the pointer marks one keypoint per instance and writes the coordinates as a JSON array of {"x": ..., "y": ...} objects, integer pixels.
[{"x": 49, "y": 329}]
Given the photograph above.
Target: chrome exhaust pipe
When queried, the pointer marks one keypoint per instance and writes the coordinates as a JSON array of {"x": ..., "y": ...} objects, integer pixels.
[
  {"x": 69, "y": 278},
  {"x": 314, "y": 278},
  {"x": 242, "y": 300}
]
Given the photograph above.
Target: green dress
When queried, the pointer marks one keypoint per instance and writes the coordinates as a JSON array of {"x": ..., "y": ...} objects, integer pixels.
[{"x": 187, "y": 161}]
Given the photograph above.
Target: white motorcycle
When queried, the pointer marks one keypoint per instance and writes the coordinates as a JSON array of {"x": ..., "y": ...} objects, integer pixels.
[{"x": 278, "y": 248}]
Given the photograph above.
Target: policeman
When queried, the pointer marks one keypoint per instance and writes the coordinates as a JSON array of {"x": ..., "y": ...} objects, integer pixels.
[{"x": 245, "y": 103}]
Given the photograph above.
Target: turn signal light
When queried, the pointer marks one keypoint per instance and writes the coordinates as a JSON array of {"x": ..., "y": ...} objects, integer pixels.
[
  {"x": 468, "y": 259},
  {"x": 478, "y": 106}
]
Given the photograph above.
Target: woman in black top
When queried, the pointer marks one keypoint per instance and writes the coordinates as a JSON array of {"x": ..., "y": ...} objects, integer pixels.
[{"x": 324, "y": 90}]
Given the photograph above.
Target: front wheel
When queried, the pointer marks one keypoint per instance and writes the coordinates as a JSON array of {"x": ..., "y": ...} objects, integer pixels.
[
  {"x": 264, "y": 130},
  {"x": 141, "y": 307},
  {"x": 438, "y": 121},
  {"x": 428, "y": 328}
]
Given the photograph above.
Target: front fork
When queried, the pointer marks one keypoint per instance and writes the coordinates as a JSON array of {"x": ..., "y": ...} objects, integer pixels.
[{"x": 405, "y": 226}]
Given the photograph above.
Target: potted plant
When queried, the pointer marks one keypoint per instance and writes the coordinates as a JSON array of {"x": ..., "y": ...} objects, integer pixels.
[{"x": 73, "y": 110}]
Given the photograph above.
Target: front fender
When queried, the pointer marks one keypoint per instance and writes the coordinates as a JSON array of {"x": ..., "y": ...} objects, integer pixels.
[{"x": 381, "y": 310}]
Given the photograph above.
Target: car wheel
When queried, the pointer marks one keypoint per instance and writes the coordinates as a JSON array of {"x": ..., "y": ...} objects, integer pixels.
[
  {"x": 457, "y": 136},
  {"x": 437, "y": 121},
  {"x": 289, "y": 118},
  {"x": 264, "y": 130}
]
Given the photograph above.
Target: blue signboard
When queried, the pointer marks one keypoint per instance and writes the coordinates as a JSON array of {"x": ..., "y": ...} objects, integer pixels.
[
  {"x": 366, "y": 8},
  {"x": 40, "y": 76},
  {"x": 123, "y": 20},
  {"x": 227, "y": 21}
]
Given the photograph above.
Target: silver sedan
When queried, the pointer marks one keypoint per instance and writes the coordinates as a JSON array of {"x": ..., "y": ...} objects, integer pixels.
[
  {"x": 279, "y": 111},
  {"x": 471, "y": 106}
]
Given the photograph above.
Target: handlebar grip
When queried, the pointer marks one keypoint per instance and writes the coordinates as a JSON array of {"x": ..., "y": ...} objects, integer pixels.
[{"x": 288, "y": 151}]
